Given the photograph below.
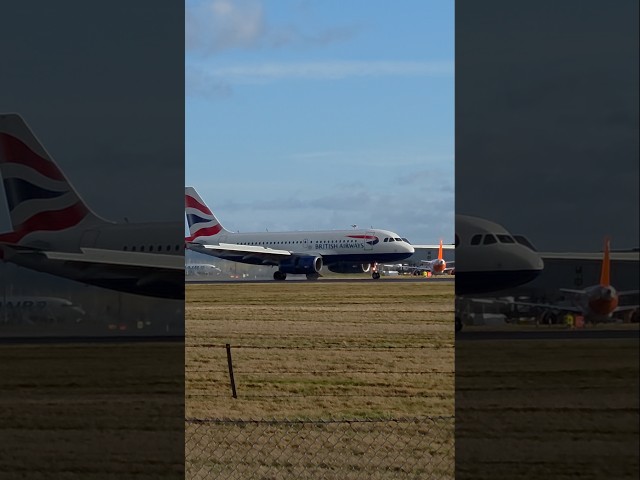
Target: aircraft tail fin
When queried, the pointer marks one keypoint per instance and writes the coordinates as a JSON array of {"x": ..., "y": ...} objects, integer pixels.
[
  {"x": 440, "y": 251},
  {"x": 202, "y": 222},
  {"x": 605, "y": 272},
  {"x": 39, "y": 198}
]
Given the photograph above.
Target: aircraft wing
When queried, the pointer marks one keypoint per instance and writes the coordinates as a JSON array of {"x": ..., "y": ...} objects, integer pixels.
[
  {"x": 628, "y": 292},
  {"x": 492, "y": 301},
  {"x": 267, "y": 256},
  {"x": 571, "y": 290},
  {"x": 117, "y": 257}
]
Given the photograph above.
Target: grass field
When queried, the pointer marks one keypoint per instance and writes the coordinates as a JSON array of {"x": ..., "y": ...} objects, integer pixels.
[
  {"x": 324, "y": 353},
  {"x": 91, "y": 411},
  {"x": 531, "y": 409}
]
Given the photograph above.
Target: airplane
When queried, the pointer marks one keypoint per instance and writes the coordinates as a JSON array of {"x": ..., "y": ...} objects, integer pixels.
[
  {"x": 596, "y": 303},
  {"x": 437, "y": 266},
  {"x": 38, "y": 309},
  {"x": 342, "y": 251},
  {"x": 194, "y": 269},
  {"x": 54, "y": 231},
  {"x": 489, "y": 258}
]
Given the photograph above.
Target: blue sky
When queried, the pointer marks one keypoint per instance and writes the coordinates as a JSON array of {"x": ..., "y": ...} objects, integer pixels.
[{"x": 309, "y": 115}]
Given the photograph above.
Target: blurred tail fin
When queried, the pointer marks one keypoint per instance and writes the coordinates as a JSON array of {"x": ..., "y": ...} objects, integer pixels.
[{"x": 605, "y": 274}]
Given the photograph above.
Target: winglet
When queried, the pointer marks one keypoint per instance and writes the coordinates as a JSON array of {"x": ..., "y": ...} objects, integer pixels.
[
  {"x": 440, "y": 251},
  {"x": 605, "y": 271}
]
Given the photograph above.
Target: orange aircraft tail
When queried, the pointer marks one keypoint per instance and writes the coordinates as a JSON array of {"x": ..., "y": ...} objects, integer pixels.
[
  {"x": 605, "y": 271},
  {"x": 440, "y": 251}
]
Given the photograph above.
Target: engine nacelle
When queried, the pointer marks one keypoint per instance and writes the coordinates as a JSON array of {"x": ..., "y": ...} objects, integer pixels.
[
  {"x": 347, "y": 267},
  {"x": 301, "y": 265}
]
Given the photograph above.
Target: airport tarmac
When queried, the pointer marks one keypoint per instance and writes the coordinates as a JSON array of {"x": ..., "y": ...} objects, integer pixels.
[
  {"x": 332, "y": 280},
  {"x": 525, "y": 334}
]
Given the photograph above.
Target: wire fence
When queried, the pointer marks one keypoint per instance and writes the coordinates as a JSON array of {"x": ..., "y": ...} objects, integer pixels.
[{"x": 372, "y": 449}]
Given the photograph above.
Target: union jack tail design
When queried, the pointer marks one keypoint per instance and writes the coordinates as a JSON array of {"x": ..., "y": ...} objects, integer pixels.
[
  {"x": 202, "y": 222},
  {"x": 38, "y": 196}
]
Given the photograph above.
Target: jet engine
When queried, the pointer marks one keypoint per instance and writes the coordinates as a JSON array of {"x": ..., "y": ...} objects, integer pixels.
[
  {"x": 347, "y": 267},
  {"x": 301, "y": 264}
]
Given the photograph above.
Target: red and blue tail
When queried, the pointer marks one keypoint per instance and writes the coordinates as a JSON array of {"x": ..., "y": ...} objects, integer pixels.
[
  {"x": 202, "y": 222},
  {"x": 39, "y": 199}
]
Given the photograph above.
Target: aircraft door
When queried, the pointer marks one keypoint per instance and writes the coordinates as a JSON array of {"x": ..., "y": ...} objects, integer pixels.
[{"x": 368, "y": 240}]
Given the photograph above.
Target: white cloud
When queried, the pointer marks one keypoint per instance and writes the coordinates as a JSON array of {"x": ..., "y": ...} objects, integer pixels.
[
  {"x": 217, "y": 25},
  {"x": 212, "y": 26},
  {"x": 330, "y": 70}
]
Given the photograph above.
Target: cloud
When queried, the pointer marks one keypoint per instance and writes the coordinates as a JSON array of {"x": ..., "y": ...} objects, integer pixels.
[
  {"x": 212, "y": 26},
  {"x": 216, "y": 25},
  {"x": 330, "y": 70}
]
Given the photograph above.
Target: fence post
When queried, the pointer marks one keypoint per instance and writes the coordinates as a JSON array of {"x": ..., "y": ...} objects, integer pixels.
[{"x": 233, "y": 382}]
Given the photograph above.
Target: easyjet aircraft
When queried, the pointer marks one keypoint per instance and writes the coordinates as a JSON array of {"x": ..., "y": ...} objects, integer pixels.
[
  {"x": 53, "y": 231},
  {"x": 596, "y": 303},
  {"x": 437, "y": 266},
  {"x": 342, "y": 251}
]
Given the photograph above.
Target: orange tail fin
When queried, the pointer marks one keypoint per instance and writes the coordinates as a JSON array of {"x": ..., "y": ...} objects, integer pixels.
[
  {"x": 605, "y": 271},
  {"x": 440, "y": 251}
]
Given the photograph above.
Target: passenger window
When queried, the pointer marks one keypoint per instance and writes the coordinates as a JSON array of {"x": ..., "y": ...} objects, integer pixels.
[
  {"x": 124, "y": 248},
  {"x": 142, "y": 248},
  {"x": 133, "y": 249},
  {"x": 489, "y": 239},
  {"x": 475, "y": 240}
]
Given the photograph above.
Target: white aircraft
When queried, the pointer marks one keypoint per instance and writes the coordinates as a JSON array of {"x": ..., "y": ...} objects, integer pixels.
[
  {"x": 53, "y": 231},
  {"x": 37, "y": 309},
  {"x": 201, "y": 269},
  {"x": 342, "y": 251},
  {"x": 437, "y": 266},
  {"x": 489, "y": 258}
]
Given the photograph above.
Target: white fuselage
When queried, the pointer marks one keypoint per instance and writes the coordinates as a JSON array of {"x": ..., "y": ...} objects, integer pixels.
[{"x": 334, "y": 246}]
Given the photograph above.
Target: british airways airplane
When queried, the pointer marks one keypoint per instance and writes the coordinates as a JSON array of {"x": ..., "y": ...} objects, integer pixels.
[
  {"x": 53, "y": 231},
  {"x": 342, "y": 251}
]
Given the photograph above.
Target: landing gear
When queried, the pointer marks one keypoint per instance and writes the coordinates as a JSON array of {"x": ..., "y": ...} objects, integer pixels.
[
  {"x": 375, "y": 274},
  {"x": 278, "y": 275}
]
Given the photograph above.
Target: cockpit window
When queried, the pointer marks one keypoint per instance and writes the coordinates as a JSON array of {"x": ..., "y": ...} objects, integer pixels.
[
  {"x": 505, "y": 238},
  {"x": 391, "y": 239},
  {"x": 386, "y": 239},
  {"x": 398, "y": 239},
  {"x": 475, "y": 240},
  {"x": 489, "y": 239},
  {"x": 522, "y": 240},
  {"x": 405, "y": 240}
]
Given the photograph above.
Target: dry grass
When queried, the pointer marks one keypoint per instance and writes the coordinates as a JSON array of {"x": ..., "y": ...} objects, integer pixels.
[
  {"x": 535, "y": 409},
  {"x": 320, "y": 350},
  {"x": 93, "y": 411}
]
